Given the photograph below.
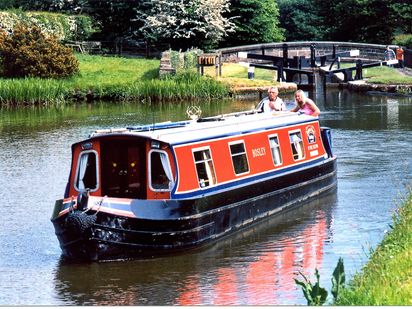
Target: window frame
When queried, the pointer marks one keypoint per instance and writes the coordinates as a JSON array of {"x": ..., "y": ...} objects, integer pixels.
[
  {"x": 278, "y": 148},
  {"x": 213, "y": 181},
  {"x": 76, "y": 179},
  {"x": 297, "y": 132},
  {"x": 242, "y": 142},
  {"x": 149, "y": 160}
]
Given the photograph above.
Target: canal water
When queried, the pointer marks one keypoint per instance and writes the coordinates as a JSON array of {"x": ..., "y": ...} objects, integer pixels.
[{"x": 371, "y": 136}]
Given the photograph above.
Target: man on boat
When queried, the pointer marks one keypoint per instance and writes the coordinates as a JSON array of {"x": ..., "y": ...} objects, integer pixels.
[
  {"x": 273, "y": 103},
  {"x": 305, "y": 105}
]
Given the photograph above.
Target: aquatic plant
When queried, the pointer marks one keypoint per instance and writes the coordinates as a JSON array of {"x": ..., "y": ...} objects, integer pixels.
[{"x": 315, "y": 294}]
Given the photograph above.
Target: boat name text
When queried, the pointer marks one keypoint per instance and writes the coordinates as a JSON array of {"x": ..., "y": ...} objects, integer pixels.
[{"x": 258, "y": 152}]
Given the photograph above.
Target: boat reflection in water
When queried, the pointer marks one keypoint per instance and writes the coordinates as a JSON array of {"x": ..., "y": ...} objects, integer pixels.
[{"x": 254, "y": 267}]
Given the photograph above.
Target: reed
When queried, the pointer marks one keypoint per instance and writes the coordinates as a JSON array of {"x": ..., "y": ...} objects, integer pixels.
[{"x": 31, "y": 91}]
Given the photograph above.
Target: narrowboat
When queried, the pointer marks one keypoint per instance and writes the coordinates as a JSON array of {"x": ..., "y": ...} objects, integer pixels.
[{"x": 173, "y": 186}]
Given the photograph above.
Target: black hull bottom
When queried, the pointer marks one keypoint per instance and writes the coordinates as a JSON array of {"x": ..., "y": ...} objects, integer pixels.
[{"x": 105, "y": 236}]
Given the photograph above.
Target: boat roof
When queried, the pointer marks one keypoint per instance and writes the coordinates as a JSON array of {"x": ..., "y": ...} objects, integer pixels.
[{"x": 183, "y": 132}]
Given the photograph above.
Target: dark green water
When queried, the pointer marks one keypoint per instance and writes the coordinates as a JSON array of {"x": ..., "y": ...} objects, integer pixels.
[{"x": 372, "y": 139}]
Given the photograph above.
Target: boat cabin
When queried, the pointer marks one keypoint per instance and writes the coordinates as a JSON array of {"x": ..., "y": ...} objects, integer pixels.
[{"x": 187, "y": 159}]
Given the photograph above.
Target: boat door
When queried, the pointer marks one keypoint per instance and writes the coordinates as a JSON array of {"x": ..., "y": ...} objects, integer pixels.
[{"x": 123, "y": 169}]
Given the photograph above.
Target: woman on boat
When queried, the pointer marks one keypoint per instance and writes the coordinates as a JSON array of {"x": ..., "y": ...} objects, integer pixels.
[{"x": 305, "y": 104}]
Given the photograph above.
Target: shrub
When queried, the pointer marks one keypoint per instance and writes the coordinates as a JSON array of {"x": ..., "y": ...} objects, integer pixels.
[
  {"x": 29, "y": 52},
  {"x": 403, "y": 40},
  {"x": 184, "y": 60}
]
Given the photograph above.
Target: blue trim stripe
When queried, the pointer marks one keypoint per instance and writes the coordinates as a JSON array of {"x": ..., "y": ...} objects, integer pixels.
[{"x": 241, "y": 182}]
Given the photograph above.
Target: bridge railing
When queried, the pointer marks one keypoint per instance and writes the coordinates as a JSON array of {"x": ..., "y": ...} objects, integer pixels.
[{"x": 370, "y": 51}]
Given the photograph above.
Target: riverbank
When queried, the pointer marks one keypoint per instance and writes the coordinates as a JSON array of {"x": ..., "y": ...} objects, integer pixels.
[
  {"x": 133, "y": 79},
  {"x": 387, "y": 278},
  {"x": 114, "y": 79},
  {"x": 384, "y": 80},
  {"x": 136, "y": 79}
]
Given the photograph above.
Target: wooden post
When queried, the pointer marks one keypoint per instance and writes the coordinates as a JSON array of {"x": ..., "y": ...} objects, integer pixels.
[
  {"x": 285, "y": 55},
  {"x": 220, "y": 64},
  {"x": 312, "y": 55},
  {"x": 358, "y": 75}
]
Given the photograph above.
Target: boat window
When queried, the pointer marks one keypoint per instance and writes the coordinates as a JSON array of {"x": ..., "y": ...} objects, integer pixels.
[
  {"x": 275, "y": 149},
  {"x": 204, "y": 167},
  {"x": 239, "y": 157},
  {"x": 296, "y": 143},
  {"x": 86, "y": 176},
  {"x": 161, "y": 178}
]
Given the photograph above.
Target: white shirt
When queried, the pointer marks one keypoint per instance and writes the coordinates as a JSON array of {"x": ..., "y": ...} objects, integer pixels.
[{"x": 278, "y": 106}]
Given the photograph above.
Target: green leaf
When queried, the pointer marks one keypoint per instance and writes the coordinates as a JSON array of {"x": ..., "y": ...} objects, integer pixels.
[{"x": 338, "y": 279}]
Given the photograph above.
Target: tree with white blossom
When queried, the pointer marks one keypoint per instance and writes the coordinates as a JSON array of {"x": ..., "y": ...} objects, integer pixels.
[{"x": 186, "y": 23}]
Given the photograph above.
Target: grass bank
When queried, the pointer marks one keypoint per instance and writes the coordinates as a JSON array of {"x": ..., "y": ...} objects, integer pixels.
[
  {"x": 387, "y": 277},
  {"x": 383, "y": 75},
  {"x": 111, "y": 78},
  {"x": 387, "y": 76},
  {"x": 124, "y": 79}
]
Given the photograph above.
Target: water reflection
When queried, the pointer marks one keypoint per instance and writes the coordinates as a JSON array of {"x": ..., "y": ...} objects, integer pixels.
[
  {"x": 365, "y": 111},
  {"x": 254, "y": 267}
]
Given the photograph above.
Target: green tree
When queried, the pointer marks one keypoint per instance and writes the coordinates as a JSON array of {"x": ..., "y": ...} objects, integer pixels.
[
  {"x": 300, "y": 20},
  {"x": 113, "y": 18},
  {"x": 7, "y": 4},
  {"x": 70, "y": 7},
  {"x": 355, "y": 20},
  {"x": 256, "y": 21},
  {"x": 402, "y": 15}
]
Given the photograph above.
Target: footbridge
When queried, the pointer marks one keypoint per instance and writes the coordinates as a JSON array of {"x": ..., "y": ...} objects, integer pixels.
[{"x": 294, "y": 59}]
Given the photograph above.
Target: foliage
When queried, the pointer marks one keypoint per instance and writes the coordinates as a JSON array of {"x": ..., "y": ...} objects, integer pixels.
[
  {"x": 186, "y": 24},
  {"x": 403, "y": 40},
  {"x": 208, "y": 23},
  {"x": 184, "y": 60},
  {"x": 51, "y": 5},
  {"x": 402, "y": 16},
  {"x": 299, "y": 18},
  {"x": 257, "y": 21},
  {"x": 61, "y": 26},
  {"x": 116, "y": 19},
  {"x": 7, "y": 4},
  {"x": 113, "y": 18},
  {"x": 314, "y": 294},
  {"x": 338, "y": 279},
  {"x": 29, "y": 52},
  {"x": 355, "y": 20},
  {"x": 190, "y": 58}
]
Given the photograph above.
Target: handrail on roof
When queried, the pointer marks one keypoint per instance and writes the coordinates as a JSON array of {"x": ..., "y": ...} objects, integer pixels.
[
  {"x": 178, "y": 124},
  {"x": 222, "y": 116}
]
